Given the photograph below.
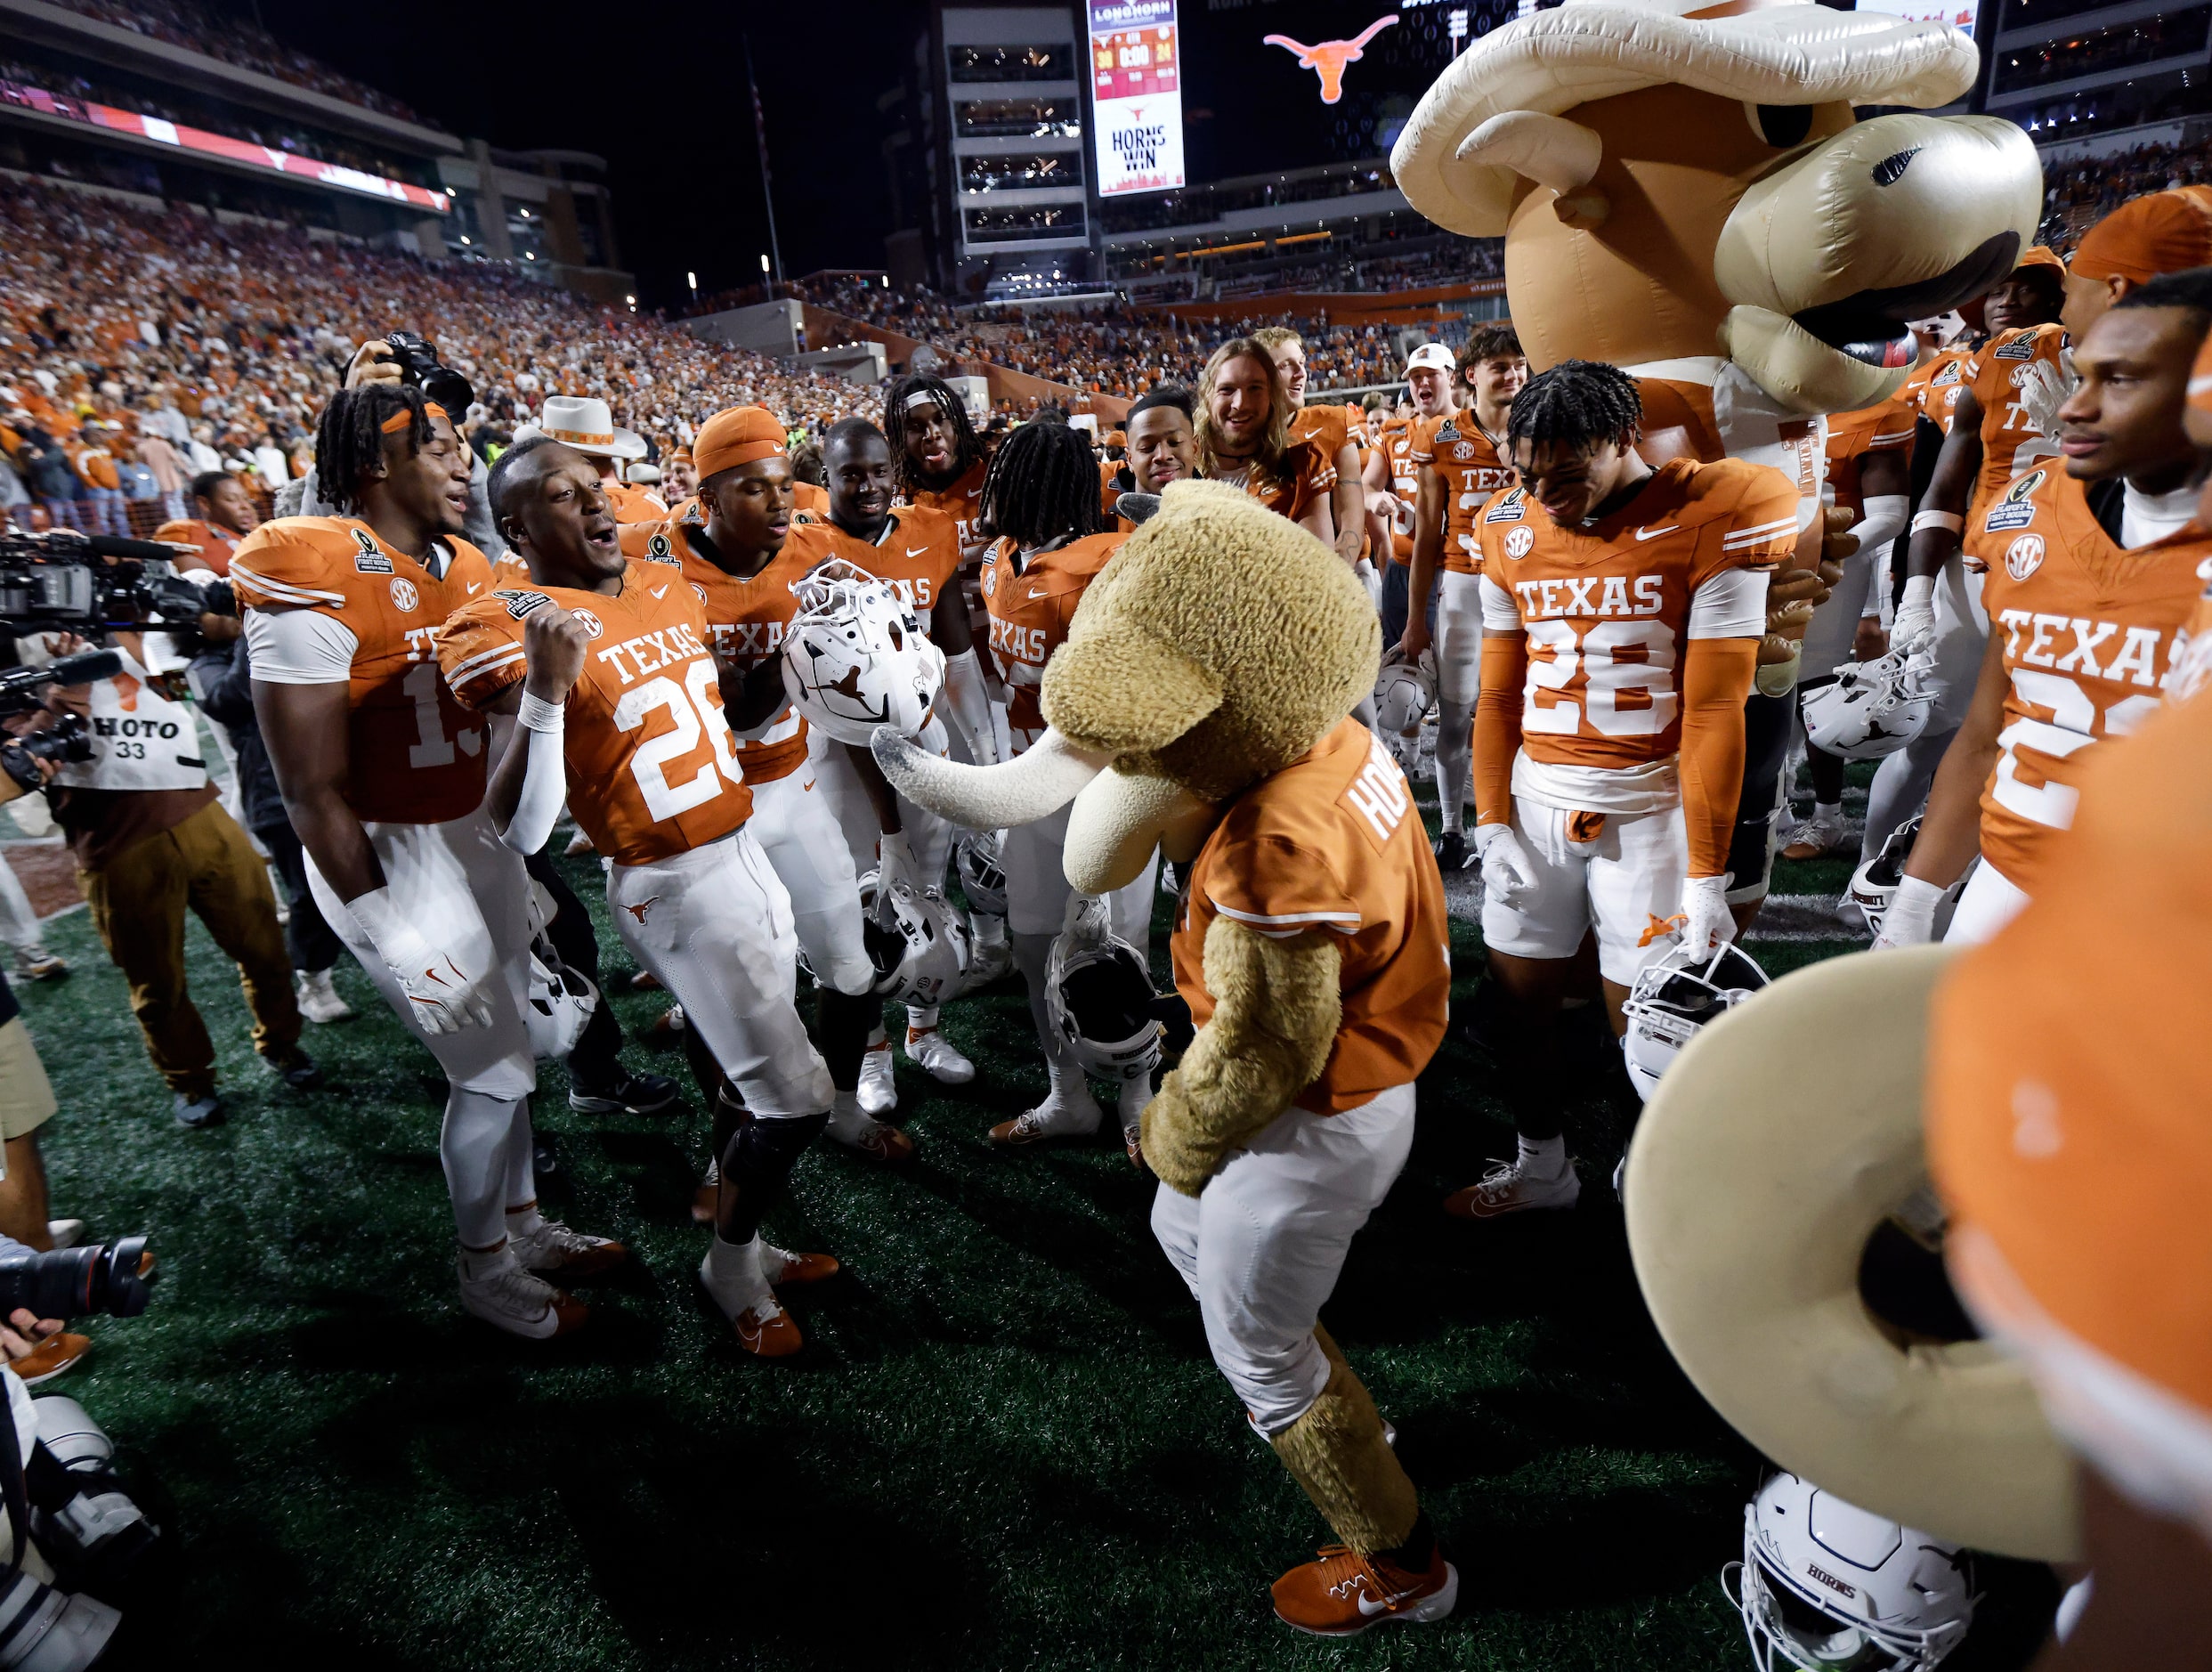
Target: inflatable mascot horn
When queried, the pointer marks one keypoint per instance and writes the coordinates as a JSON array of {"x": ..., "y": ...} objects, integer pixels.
[{"x": 1684, "y": 190}]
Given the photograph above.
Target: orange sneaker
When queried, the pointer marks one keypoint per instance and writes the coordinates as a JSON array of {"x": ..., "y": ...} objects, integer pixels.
[
  {"x": 780, "y": 1265},
  {"x": 1342, "y": 1592},
  {"x": 51, "y": 1356},
  {"x": 767, "y": 1331}
]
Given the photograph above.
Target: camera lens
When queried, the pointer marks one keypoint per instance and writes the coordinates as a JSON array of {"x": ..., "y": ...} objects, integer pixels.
[{"x": 67, "y": 1283}]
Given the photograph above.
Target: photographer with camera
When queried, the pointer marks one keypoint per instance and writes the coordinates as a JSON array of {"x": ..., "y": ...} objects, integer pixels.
[
  {"x": 139, "y": 816},
  {"x": 36, "y": 1350}
]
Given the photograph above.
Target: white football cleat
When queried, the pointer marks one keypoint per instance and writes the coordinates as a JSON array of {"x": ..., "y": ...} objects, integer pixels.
[
  {"x": 1506, "y": 1189},
  {"x": 1816, "y": 836},
  {"x": 879, "y": 1091},
  {"x": 990, "y": 962},
  {"x": 549, "y": 1247},
  {"x": 938, "y": 1057},
  {"x": 1075, "y": 1115},
  {"x": 509, "y": 1298},
  {"x": 319, "y": 1000}
]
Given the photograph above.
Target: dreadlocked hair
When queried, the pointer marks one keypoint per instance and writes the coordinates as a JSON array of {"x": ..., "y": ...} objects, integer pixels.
[
  {"x": 966, "y": 446},
  {"x": 349, "y": 438},
  {"x": 1043, "y": 483},
  {"x": 1577, "y": 403},
  {"x": 1266, "y": 463}
]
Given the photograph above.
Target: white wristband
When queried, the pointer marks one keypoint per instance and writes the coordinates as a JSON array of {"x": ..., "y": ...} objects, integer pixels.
[
  {"x": 1949, "y": 522},
  {"x": 538, "y": 715}
]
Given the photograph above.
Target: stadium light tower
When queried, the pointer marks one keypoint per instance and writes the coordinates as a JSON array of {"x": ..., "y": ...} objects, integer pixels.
[
  {"x": 760, "y": 135},
  {"x": 1455, "y": 26}
]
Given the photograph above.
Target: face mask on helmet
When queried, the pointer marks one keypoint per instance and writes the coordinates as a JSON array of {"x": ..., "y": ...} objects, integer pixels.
[
  {"x": 1873, "y": 885},
  {"x": 558, "y": 1000},
  {"x": 1826, "y": 1586},
  {"x": 919, "y": 953},
  {"x": 1098, "y": 996},
  {"x": 1403, "y": 694},
  {"x": 855, "y": 658},
  {"x": 980, "y": 857},
  {"x": 1675, "y": 997},
  {"x": 1869, "y": 709}
]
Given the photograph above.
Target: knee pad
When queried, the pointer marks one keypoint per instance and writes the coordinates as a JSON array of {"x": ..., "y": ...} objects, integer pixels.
[{"x": 757, "y": 1160}]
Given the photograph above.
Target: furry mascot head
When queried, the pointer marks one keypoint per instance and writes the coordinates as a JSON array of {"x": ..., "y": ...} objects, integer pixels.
[{"x": 1676, "y": 183}]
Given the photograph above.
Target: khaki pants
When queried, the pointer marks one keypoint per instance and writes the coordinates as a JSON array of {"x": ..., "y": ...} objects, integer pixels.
[
  {"x": 26, "y": 1099},
  {"x": 138, "y": 903}
]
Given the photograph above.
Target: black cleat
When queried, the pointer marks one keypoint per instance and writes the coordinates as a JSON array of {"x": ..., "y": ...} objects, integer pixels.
[
  {"x": 1453, "y": 853},
  {"x": 295, "y": 1068},
  {"x": 632, "y": 1094}
]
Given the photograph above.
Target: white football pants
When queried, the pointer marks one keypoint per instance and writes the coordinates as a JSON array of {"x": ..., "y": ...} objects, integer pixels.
[
  {"x": 1262, "y": 1245},
  {"x": 1037, "y": 888},
  {"x": 1990, "y": 900},
  {"x": 797, "y": 831},
  {"x": 715, "y": 925},
  {"x": 1626, "y": 885},
  {"x": 928, "y": 835},
  {"x": 1458, "y": 639},
  {"x": 1961, "y": 633}
]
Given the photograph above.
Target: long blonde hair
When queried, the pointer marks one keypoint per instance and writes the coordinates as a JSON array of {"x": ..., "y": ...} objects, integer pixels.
[{"x": 1266, "y": 463}]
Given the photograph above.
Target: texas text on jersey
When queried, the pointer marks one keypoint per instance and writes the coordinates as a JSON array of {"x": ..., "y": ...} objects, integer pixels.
[
  {"x": 1030, "y": 612},
  {"x": 1410, "y": 446},
  {"x": 652, "y": 771},
  {"x": 1607, "y": 607},
  {"x": 919, "y": 551},
  {"x": 413, "y": 755},
  {"x": 2093, "y": 635},
  {"x": 1333, "y": 844},
  {"x": 746, "y": 618},
  {"x": 1466, "y": 461}
]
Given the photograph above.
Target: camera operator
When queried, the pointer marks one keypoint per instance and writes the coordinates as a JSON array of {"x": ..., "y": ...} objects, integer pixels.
[
  {"x": 36, "y": 1350},
  {"x": 142, "y": 821},
  {"x": 223, "y": 515}
]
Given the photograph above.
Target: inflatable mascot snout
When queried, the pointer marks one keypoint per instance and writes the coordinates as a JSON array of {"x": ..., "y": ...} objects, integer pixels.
[{"x": 1685, "y": 190}]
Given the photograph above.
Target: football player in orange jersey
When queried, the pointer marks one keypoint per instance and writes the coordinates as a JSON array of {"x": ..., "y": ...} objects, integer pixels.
[
  {"x": 383, "y": 773},
  {"x": 226, "y": 516},
  {"x": 1623, "y": 607},
  {"x": 1467, "y": 464},
  {"x": 917, "y": 550},
  {"x": 1393, "y": 474},
  {"x": 2093, "y": 576},
  {"x": 1327, "y": 428},
  {"x": 1163, "y": 444},
  {"x": 1052, "y": 544},
  {"x": 735, "y": 556},
  {"x": 1243, "y": 427},
  {"x": 607, "y": 666}
]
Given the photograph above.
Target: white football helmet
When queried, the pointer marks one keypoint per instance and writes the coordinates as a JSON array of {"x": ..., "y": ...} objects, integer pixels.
[
  {"x": 1824, "y": 1586},
  {"x": 980, "y": 857},
  {"x": 921, "y": 954},
  {"x": 1871, "y": 708},
  {"x": 855, "y": 658},
  {"x": 1403, "y": 691},
  {"x": 1873, "y": 885},
  {"x": 560, "y": 999},
  {"x": 1099, "y": 995},
  {"x": 1676, "y": 996}
]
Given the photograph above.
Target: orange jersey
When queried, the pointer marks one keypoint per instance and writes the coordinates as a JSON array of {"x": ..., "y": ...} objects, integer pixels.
[
  {"x": 1332, "y": 843},
  {"x": 1109, "y": 490},
  {"x": 1029, "y": 610},
  {"x": 1608, "y": 608},
  {"x": 1299, "y": 477},
  {"x": 962, "y": 501},
  {"x": 1325, "y": 427},
  {"x": 414, "y": 756},
  {"x": 2008, "y": 377},
  {"x": 1669, "y": 405},
  {"x": 1883, "y": 428},
  {"x": 1465, "y": 459},
  {"x": 1935, "y": 386},
  {"x": 919, "y": 552},
  {"x": 632, "y": 503},
  {"x": 806, "y": 497},
  {"x": 2092, "y": 634},
  {"x": 215, "y": 544},
  {"x": 653, "y": 769},
  {"x": 1408, "y": 444},
  {"x": 746, "y": 618}
]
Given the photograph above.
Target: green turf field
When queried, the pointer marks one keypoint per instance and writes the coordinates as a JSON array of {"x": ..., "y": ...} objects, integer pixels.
[{"x": 1004, "y": 1447}]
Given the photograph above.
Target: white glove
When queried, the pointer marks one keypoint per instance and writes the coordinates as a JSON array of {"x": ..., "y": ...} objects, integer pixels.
[
  {"x": 443, "y": 997},
  {"x": 2043, "y": 388},
  {"x": 895, "y": 862},
  {"x": 1710, "y": 925},
  {"x": 1911, "y": 921},
  {"x": 1914, "y": 627},
  {"x": 1509, "y": 875}
]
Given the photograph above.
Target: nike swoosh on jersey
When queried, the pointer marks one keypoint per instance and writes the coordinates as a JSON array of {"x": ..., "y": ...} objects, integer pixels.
[
  {"x": 472, "y": 586},
  {"x": 660, "y": 592},
  {"x": 917, "y": 551},
  {"x": 1653, "y": 534},
  {"x": 1037, "y": 592}
]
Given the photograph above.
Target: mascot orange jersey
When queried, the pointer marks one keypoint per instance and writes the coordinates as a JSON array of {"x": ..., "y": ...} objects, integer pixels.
[
  {"x": 919, "y": 551},
  {"x": 1333, "y": 844},
  {"x": 652, "y": 771},
  {"x": 1935, "y": 386},
  {"x": 746, "y": 619},
  {"x": 1885, "y": 428},
  {"x": 962, "y": 501},
  {"x": 1608, "y": 608},
  {"x": 1029, "y": 610},
  {"x": 414, "y": 756},
  {"x": 2017, "y": 378},
  {"x": 1468, "y": 467},
  {"x": 2091, "y": 634}
]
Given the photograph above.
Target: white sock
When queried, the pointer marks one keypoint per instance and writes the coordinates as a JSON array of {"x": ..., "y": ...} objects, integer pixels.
[
  {"x": 1133, "y": 1097},
  {"x": 847, "y": 1120},
  {"x": 988, "y": 930},
  {"x": 733, "y": 1274},
  {"x": 1543, "y": 1158},
  {"x": 521, "y": 1222},
  {"x": 878, "y": 1039},
  {"x": 482, "y": 1263},
  {"x": 1828, "y": 809},
  {"x": 921, "y": 1017}
]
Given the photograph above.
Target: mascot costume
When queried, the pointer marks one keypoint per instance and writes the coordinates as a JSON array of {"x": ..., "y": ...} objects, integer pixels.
[
  {"x": 1201, "y": 706},
  {"x": 1684, "y": 192}
]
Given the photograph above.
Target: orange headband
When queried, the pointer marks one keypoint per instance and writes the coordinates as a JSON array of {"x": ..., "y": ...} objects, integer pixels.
[{"x": 404, "y": 419}]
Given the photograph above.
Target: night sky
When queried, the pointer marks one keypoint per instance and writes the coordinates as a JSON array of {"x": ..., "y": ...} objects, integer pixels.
[{"x": 658, "y": 90}]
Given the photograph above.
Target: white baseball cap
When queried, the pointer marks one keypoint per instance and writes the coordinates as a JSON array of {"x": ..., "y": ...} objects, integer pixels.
[{"x": 1435, "y": 356}]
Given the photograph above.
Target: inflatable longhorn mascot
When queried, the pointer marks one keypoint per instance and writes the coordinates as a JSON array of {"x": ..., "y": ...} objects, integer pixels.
[
  {"x": 1686, "y": 193},
  {"x": 1200, "y": 705}
]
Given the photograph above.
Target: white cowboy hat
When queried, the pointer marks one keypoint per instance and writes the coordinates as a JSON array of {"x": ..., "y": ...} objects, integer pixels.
[
  {"x": 1769, "y": 52},
  {"x": 587, "y": 425},
  {"x": 1809, "y": 1141}
]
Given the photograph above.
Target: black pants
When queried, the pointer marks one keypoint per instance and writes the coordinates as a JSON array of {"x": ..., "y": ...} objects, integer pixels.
[
  {"x": 1768, "y": 723},
  {"x": 314, "y": 945},
  {"x": 592, "y": 1064}
]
